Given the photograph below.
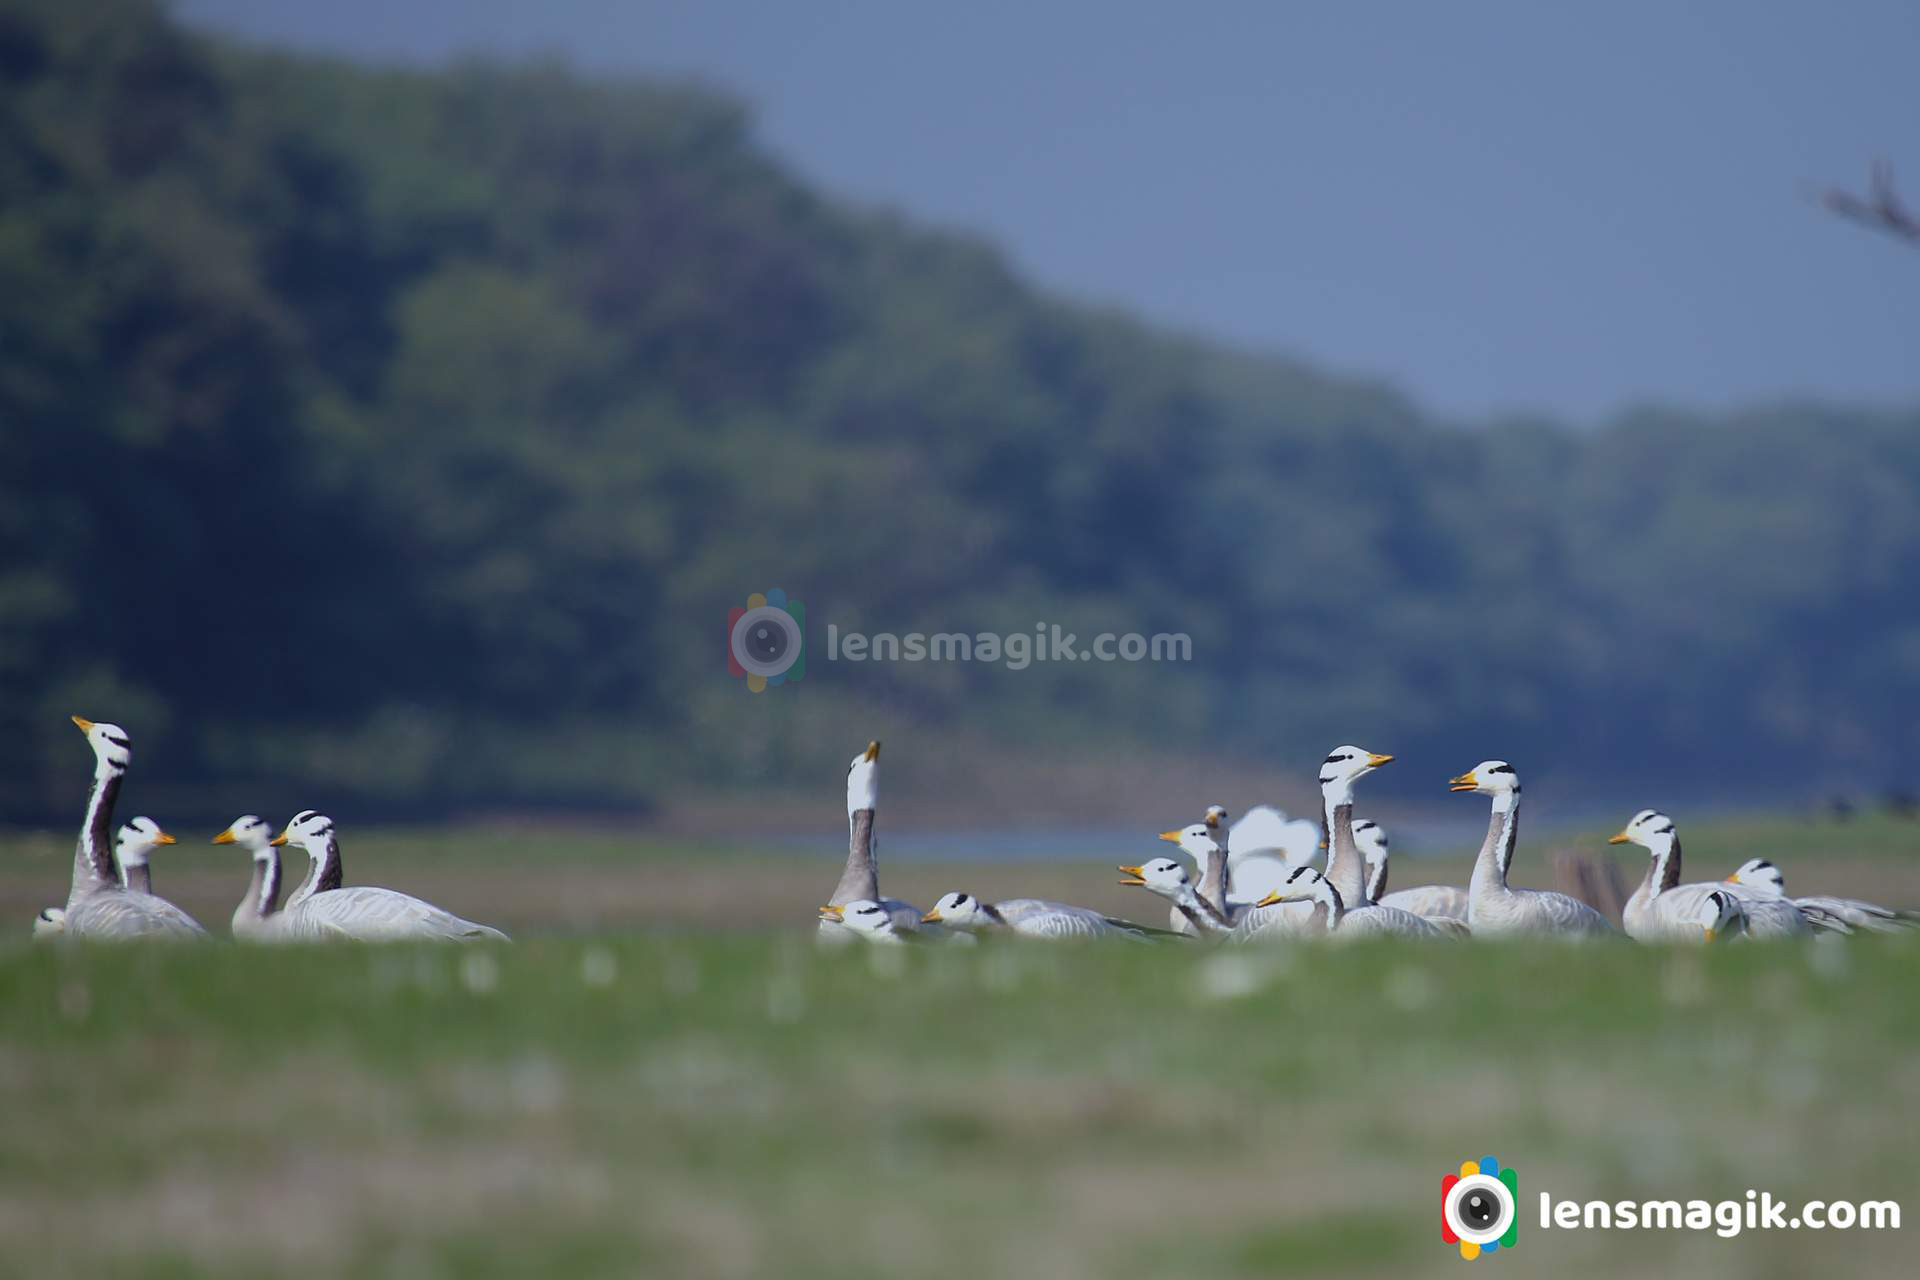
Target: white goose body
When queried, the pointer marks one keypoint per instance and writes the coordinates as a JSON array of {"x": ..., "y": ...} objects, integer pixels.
[
  {"x": 1331, "y": 916},
  {"x": 1029, "y": 917},
  {"x": 1495, "y": 908},
  {"x": 1429, "y": 901},
  {"x": 97, "y": 904},
  {"x": 324, "y": 911},
  {"x": 1263, "y": 848},
  {"x": 1661, "y": 909},
  {"x": 1760, "y": 880}
]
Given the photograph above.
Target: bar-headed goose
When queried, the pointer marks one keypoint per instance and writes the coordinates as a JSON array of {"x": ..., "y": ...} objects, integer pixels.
[
  {"x": 1662, "y": 908},
  {"x": 1201, "y": 842},
  {"x": 860, "y": 880},
  {"x": 1431, "y": 901},
  {"x": 1761, "y": 879},
  {"x": 98, "y": 905},
  {"x": 251, "y": 917},
  {"x": 360, "y": 913},
  {"x": 864, "y": 918},
  {"x": 1494, "y": 907},
  {"x": 1031, "y": 918},
  {"x": 132, "y": 847},
  {"x": 1330, "y": 913},
  {"x": 1166, "y": 877},
  {"x": 50, "y": 923}
]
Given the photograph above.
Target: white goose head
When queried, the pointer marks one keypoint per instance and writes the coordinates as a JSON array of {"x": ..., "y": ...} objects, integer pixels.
[
  {"x": 50, "y": 922},
  {"x": 863, "y": 780},
  {"x": 1216, "y": 822},
  {"x": 960, "y": 911},
  {"x": 112, "y": 751},
  {"x": 1303, "y": 884},
  {"x": 309, "y": 830},
  {"x": 251, "y": 833},
  {"x": 137, "y": 840},
  {"x": 1371, "y": 837},
  {"x": 1720, "y": 915},
  {"x": 1197, "y": 841},
  {"x": 1345, "y": 766},
  {"x": 1651, "y": 829},
  {"x": 1163, "y": 876},
  {"x": 1494, "y": 778},
  {"x": 1760, "y": 877},
  {"x": 865, "y": 917}
]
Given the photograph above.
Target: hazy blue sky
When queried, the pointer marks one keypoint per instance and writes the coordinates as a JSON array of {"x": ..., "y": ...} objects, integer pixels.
[{"x": 1497, "y": 206}]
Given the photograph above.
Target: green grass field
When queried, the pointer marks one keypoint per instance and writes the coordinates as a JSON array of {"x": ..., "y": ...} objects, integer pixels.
[{"x": 662, "y": 1098}]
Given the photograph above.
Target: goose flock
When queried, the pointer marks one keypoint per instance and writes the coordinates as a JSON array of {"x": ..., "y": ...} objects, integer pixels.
[
  {"x": 1289, "y": 897},
  {"x": 112, "y": 896},
  {"x": 1252, "y": 881}
]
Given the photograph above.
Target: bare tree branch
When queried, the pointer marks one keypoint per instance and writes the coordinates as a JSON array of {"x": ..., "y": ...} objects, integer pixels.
[{"x": 1880, "y": 209}]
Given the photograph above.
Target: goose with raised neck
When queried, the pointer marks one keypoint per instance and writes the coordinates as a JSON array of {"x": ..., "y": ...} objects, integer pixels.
[
  {"x": 860, "y": 879},
  {"x": 331, "y": 912},
  {"x": 1343, "y": 767},
  {"x": 98, "y": 905},
  {"x": 132, "y": 848},
  {"x": 1663, "y": 909},
  {"x": 1201, "y": 842},
  {"x": 262, "y": 899},
  {"x": 1493, "y": 906},
  {"x": 1760, "y": 878}
]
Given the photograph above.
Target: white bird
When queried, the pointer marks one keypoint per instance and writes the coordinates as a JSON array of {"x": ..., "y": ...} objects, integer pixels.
[
  {"x": 1495, "y": 908},
  {"x": 1170, "y": 880},
  {"x": 860, "y": 880},
  {"x": 1330, "y": 913},
  {"x": 252, "y": 918},
  {"x": 864, "y": 918},
  {"x": 1662, "y": 908},
  {"x": 359, "y": 913},
  {"x": 1431, "y": 901},
  {"x": 98, "y": 906},
  {"x": 132, "y": 847},
  {"x": 1759, "y": 878},
  {"x": 50, "y": 923},
  {"x": 1721, "y": 915},
  {"x": 1290, "y": 915},
  {"x": 1264, "y": 846},
  {"x": 1201, "y": 842},
  {"x": 1030, "y": 917}
]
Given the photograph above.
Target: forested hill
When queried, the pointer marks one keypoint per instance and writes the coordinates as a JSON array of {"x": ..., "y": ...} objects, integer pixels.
[{"x": 409, "y": 434}]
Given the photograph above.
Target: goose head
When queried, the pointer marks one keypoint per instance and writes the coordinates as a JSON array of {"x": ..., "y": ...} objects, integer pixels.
[
  {"x": 1197, "y": 841},
  {"x": 50, "y": 921},
  {"x": 1760, "y": 877},
  {"x": 1721, "y": 916},
  {"x": 1216, "y": 820},
  {"x": 1303, "y": 884},
  {"x": 112, "y": 751},
  {"x": 308, "y": 831},
  {"x": 1345, "y": 766},
  {"x": 1651, "y": 829},
  {"x": 865, "y": 917},
  {"x": 137, "y": 840},
  {"x": 1494, "y": 778},
  {"x": 1163, "y": 876},
  {"x": 251, "y": 833},
  {"x": 863, "y": 780},
  {"x": 960, "y": 911}
]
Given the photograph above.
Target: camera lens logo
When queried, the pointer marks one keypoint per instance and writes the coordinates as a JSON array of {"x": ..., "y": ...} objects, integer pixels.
[
  {"x": 766, "y": 641},
  {"x": 1479, "y": 1207}
]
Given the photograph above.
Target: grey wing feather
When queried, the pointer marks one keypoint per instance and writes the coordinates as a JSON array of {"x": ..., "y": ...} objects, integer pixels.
[
  {"x": 368, "y": 914},
  {"x": 123, "y": 913}
]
